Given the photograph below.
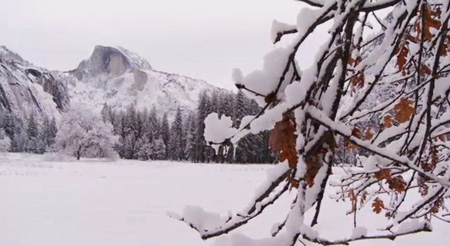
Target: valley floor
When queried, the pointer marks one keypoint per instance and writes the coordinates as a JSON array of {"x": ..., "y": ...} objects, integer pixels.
[{"x": 98, "y": 203}]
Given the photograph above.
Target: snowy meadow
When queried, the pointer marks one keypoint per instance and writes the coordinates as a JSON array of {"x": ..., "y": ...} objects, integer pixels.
[{"x": 100, "y": 203}]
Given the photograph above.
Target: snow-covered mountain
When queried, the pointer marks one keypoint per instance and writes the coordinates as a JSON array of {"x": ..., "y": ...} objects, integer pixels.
[
  {"x": 111, "y": 75},
  {"x": 119, "y": 77}
]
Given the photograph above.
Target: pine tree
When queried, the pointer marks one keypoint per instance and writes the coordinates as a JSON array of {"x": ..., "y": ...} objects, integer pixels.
[
  {"x": 32, "y": 128},
  {"x": 5, "y": 141},
  {"x": 203, "y": 110},
  {"x": 51, "y": 132},
  {"x": 131, "y": 120},
  {"x": 165, "y": 132},
  {"x": 10, "y": 124},
  {"x": 143, "y": 150},
  {"x": 239, "y": 108},
  {"x": 176, "y": 147},
  {"x": 154, "y": 125},
  {"x": 14, "y": 130},
  {"x": 3, "y": 114},
  {"x": 140, "y": 125},
  {"x": 129, "y": 146},
  {"x": 190, "y": 130},
  {"x": 158, "y": 149},
  {"x": 18, "y": 141},
  {"x": 35, "y": 142}
]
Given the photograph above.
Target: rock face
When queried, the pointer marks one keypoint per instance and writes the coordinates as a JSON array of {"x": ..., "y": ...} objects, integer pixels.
[
  {"x": 26, "y": 89},
  {"x": 52, "y": 84},
  {"x": 113, "y": 61}
]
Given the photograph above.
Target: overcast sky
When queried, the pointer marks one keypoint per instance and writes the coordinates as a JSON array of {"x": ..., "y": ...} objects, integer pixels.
[{"x": 203, "y": 39}]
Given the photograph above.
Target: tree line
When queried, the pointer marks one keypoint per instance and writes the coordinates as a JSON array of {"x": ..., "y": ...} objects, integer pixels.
[
  {"x": 144, "y": 135},
  {"x": 141, "y": 134},
  {"x": 30, "y": 135}
]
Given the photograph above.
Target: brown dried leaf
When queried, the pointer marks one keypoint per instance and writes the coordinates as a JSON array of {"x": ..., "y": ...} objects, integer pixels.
[
  {"x": 425, "y": 70},
  {"x": 397, "y": 183},
  {"x": 446, "y": 48},
  {"x": 294, "y": 183},
  {"x": 434, "y": 154},
  {"x": 402, "y": 57},
  {"x": 348, "y": 144},
  {"x": 383, "y": 174},
  {"x": 431, "y": 20},
  {"x": 377, "y": 205},
  {"x": 312, "y": 168},
  {"x": 283, "y": 139},
  {"x": 363, "y": 198},
  {"x": 437, "y": 205},
  {"x": 357, "y": 81},
  {"x": 387, "y": 121},
  {"x": 353, "y": 199},
  {"x": 405, "y": 109},
  {"x": 423, "y": 187}
]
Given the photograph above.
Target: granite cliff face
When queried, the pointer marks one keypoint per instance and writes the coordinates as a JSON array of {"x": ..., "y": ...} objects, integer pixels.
[
  {"x": 26, "y": 89},
  {"x": 113, "y": 61}
]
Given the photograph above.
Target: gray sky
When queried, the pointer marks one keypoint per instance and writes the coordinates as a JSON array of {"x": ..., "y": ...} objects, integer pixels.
[{"x": 203, "y": 39}]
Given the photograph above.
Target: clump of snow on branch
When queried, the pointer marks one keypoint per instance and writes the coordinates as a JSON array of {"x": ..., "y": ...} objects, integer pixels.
[
  {"x": 278, "y": 28},
  {"x": 201, "y": 218},
  {"x": 218, "y": 129},
  {"x": 266, "y": 80}
]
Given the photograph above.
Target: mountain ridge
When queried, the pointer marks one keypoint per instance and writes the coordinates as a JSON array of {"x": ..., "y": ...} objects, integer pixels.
[{"x": 112, "y": 75}]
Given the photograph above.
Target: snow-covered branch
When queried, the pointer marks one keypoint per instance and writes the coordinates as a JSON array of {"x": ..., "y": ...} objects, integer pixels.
[{"x": 375, "y": 101}]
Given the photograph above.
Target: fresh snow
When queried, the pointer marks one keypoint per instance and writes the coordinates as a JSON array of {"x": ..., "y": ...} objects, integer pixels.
[{"x": 99, "y": 203}]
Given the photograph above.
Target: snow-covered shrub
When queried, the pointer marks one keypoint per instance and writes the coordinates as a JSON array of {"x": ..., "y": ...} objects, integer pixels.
[{"x": 84, "y": 134}]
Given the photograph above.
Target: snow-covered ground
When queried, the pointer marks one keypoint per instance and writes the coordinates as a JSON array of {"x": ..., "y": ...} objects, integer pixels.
[{"x": 98, "y": 203}]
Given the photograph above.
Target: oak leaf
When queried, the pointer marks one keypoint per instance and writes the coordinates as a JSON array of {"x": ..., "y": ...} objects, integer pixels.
[
  {"x": 434, "y": 159},
  {"x": 402, "y": 56},
  {"x": 423, "y": 187},
  {"x": 355, "y": 133},
  {"x": 446, "y": 48},
  {"x": 383, "y": 174},
  {"x": 313, "y": 166},
  {"x": 378, "y": 205},
  {"x": 397, "y": 183},
  {"x": 387, "y": 121},
  {"x": 437, "y": 205},
  {"x": 425, "y": 70},
  {"x": 357, "y": 81},
  {"x": 284, "y": 139},
  {"x": 404, "y": 110},
  {"x": 363, "y": 198},
  {"x": 430, "y": 20}
]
